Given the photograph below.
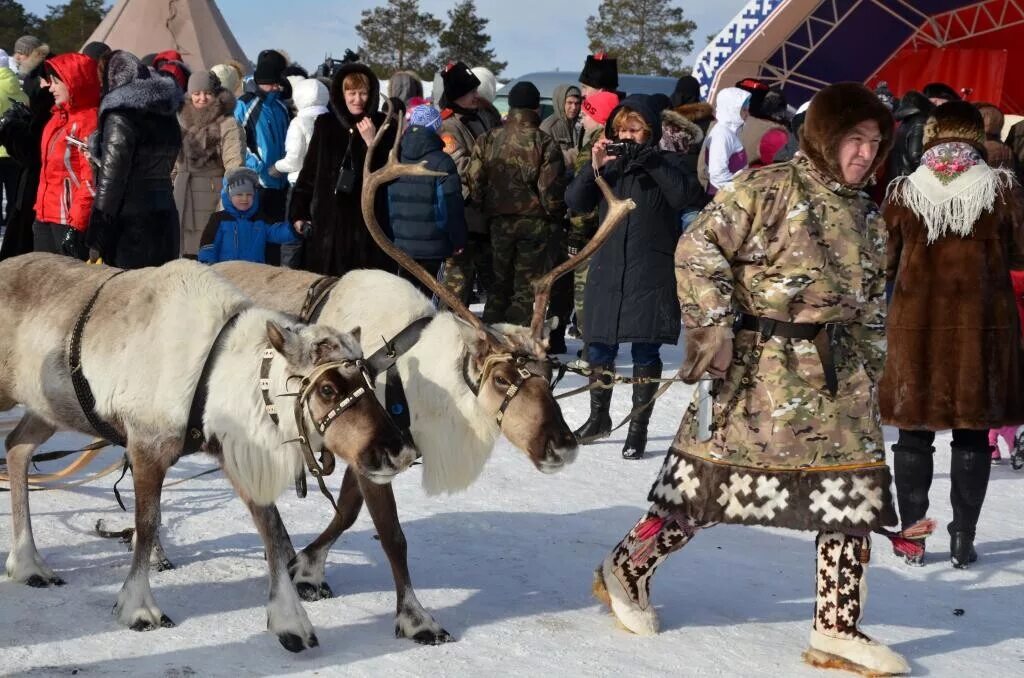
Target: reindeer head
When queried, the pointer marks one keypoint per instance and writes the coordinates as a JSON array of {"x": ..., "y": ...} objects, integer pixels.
[
  {"x": 335, "y": 406},
  {"x": 506, "y": 365}
]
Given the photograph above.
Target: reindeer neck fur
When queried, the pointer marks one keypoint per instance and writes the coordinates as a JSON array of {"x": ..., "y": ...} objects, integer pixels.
[
  {"x": 453, "y": 432},
  {"x": 256, "y": 453}
]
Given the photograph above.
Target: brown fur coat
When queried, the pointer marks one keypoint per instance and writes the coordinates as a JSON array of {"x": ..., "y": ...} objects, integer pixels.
[{"x": 954, "y": 355}]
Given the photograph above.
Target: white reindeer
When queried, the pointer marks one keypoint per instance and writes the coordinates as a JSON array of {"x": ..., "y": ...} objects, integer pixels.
[{"x": 143, "y": 351}]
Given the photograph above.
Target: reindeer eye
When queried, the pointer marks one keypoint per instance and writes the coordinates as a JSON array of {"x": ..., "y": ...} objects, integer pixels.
[
  {"x": 501, "y": 381},
  {"x": 327, "y": 392}
]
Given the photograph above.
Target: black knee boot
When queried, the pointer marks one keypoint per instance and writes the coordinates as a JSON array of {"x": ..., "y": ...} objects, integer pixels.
[
  {"x": 636, "y": 438},
  {"x": 969, "y": 474},
  {"x": 600, "y": 422},
  {"x": 912, "y": 467}
]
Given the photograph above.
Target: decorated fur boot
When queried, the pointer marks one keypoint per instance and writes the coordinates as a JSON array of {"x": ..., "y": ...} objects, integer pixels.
[
  {"x": 623, "y": 581},
  {"x": 836, "y": 640}
]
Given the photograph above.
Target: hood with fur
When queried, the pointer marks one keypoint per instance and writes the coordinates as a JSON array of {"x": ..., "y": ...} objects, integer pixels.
[
  {"x": 338, "y": 94},
  {"x": 155, "y": 94},
  {"x": 678, "y": 133},
  {"x": 833, "y": 112}
]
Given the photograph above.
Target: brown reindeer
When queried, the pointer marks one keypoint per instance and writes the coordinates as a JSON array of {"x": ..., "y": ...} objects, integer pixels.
[
  {"x": 143, "y": 343},
  {"x": 466, "y": 383}
]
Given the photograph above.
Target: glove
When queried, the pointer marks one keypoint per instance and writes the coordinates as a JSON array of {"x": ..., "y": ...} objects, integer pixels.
[
  {"x": 643, "y": 157},
  {"x": 73, "y": 245},
  {"x": 708, "y": 349}
]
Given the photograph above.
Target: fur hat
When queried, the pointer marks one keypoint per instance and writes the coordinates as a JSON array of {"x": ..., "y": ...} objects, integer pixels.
[
  {"x": 833, "y": 112},
  {"x": 994, "y": 120},
  {"x": 203, "y": 81},
  {"x": 26, "y": 44},
  {"x": 122, "y": 68},
  {"x": 426, "y": 115},
  {"x": 458, "y": 81},
  {"x": 955, "y": 121},
  {"x": 600, "y": 105},
  {"x": 230, "y": 77},
  {"x": 600, "y": 72},
  {"x": 270, "y": 65},
  {"x": 524, "y": 94},
  {"x": 940, "y": 90},
  {"x": 241, "y": 180}
]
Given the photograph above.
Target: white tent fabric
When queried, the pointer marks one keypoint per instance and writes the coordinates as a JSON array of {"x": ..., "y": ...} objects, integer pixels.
[{"x": 195, "y": 28}]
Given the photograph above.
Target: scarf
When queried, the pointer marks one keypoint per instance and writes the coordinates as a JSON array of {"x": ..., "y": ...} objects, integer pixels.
[{"x": 950, "y": 189}]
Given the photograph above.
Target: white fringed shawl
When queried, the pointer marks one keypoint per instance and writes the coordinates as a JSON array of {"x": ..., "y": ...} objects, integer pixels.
[{"x": 954, "y": 207}]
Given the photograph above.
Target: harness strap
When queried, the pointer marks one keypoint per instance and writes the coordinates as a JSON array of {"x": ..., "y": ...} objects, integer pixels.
[
  {"x": 194, "y": 438},
  {"x": 385, "y": 359},
  {"x": 316, "y": 295},
  {"x": 83, "y": 392}
]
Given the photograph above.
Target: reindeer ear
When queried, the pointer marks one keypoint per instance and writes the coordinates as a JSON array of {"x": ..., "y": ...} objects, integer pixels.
[
  {"x": 476, "y": 340},
  {"x": 276, "y": 335},
  {"x": 357, "y": 334},
  {"x": 285, "y": 341}
]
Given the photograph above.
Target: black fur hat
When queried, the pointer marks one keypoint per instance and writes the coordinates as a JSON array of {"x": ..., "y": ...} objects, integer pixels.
[
  {"x": 600, "y": 72},
  {"x": 458, "y": 81},
  {"x": 270, "y": 65},
  {"x": 940, "y": 90}
]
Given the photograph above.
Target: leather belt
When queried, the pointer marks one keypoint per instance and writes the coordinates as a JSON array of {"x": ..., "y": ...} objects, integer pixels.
[{"x": 822, "y": 334}]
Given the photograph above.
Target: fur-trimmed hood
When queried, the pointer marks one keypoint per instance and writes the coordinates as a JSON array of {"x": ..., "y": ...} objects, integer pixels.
[
  {"x": 155, "y": 94},
  {"x": 833, "y": 112},
  {"x": 338, "y": 94},
  {"x": 678, "y": 133},
  {"x": 696, "y": 112}
]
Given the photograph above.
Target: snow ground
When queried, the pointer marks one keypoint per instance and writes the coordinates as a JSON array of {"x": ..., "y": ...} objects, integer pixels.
[{"x": 506, "y": 567}]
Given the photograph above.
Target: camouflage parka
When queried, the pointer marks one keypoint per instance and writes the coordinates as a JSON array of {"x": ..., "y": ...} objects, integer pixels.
[
  {"x": 517, "y": 170},
  {"x": 582, "y": 227},
  {"x": 788, "y": 243}
]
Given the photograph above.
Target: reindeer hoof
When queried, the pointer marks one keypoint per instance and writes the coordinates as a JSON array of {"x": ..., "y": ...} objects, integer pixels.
[
  {"x": 166, "y": 623},
  {"x": 163, "y": 565},
  {"x": 312, "y": 593},
  {"x": 293, "y": 643},
  {"x": 429, "y": 637},
  {"x": 325, "y": 591},
  {"x": 39, "y": 582}
]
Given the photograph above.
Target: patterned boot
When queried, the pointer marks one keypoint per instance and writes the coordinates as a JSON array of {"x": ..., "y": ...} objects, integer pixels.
[
  {"x": 623, "y": 581},
  {"x": 836, "y": 641}
]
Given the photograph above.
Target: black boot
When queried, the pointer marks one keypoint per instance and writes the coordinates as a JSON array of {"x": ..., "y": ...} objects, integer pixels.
[
  {"x": 912, "y": 467},
  {"x": 636, "y": 438},
  {"x": 969, "y": 473},
  {"x": 600, "y": 422}
]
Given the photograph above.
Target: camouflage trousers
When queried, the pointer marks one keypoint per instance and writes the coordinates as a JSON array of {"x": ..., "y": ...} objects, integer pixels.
[
  {"x": 523, "y": 249},
  {"x": 473, "y": 265},
  {"x": 579, "y": 286}
]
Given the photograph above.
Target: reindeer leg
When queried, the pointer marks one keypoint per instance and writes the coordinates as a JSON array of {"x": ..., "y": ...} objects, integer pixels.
[
  {"x": 285, "y": 615},
  {"x": 307, "y": 567},
  {"x": 24, "y": 564},
  {"x": 136, "y": 608},
  {"x": 411, "y": 619}
]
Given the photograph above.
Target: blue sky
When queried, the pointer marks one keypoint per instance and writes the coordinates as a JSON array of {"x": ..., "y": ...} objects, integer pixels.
[{"x": 532, "y": 35}]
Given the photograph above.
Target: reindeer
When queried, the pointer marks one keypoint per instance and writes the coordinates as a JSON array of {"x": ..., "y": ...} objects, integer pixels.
[
  {"x": 465, "y": 382},
  {"x": 147, "y": 340}
]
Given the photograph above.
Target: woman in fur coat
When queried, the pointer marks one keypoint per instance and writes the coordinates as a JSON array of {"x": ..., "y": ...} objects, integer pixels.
[
  {"x": 134, "y": 222},
  {"x": 790, "y": 258},
  {"x": 327, "y": 191},
  {"x": 212, "y": 143},
  {"x": 953, "y": 357}
]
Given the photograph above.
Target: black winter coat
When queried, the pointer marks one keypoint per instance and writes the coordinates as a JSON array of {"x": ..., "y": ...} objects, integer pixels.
[
  {"x": 134, "y": 220},
  {"x": 631, "y": 286},
  {"x": 339, "y": 241},
  {"x": 908, "y": 146}
]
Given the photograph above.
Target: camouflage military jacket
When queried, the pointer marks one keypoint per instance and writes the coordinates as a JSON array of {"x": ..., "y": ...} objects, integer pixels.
[
  {"x": 787, "y": 243},
  {"x": 583, "y": 226},
  {"x": 517, "y": 170}
]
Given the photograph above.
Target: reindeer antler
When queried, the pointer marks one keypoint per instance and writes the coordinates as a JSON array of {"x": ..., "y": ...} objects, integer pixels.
[
  {"x": 617, "y": 211},
  {"x": 392, "y": 170}
]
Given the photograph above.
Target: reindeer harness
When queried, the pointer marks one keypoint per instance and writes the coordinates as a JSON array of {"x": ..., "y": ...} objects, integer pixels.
[{"x": 519, "y": 360}]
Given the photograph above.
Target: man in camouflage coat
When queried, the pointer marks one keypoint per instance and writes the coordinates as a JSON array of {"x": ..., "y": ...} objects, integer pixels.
[
  {"x": 517, "y": 175},
  {"x": 791, "y": 258}
]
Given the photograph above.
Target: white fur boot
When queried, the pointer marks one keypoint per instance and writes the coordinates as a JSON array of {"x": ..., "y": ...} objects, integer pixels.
[{"x": 836, "y": 641}]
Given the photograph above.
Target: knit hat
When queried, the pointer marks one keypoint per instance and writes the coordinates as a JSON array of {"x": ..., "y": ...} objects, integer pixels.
[
  {"x": 524, "y": 95},
  {"x": 203, "y": 81},
  {"x": 458, "y": 81},
  {"x": 241, "y": 180},
  {"x": 955, "y": 121},
  {"x": 27, "y": 44},
  {"x": 96, "y": 49},
  {"x": 426, "y": 115},
  {"x": 228, "y": 76},
  {"x": 270, "y": 65},
  {"x": 600, "y": 105},
  {"x": 600, "y": 72}
]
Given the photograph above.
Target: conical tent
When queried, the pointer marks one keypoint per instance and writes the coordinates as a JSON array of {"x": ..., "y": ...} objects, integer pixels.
[{"x": 195, "y": 28}]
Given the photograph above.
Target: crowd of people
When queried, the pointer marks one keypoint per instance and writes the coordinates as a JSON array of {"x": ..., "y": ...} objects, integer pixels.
[{"x": 756, "y": 232}]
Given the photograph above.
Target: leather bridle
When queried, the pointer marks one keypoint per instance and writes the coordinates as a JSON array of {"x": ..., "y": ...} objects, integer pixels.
[{"x": 520, "y": 361}]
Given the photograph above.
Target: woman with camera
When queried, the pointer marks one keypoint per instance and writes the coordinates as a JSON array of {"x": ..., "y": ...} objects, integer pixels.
[
  {"x": 631, "y": 284},
  {"x": 325, "y": 201}
]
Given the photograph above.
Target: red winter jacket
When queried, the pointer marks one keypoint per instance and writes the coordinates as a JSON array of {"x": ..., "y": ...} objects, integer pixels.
[{"x": 66, "y": 185}]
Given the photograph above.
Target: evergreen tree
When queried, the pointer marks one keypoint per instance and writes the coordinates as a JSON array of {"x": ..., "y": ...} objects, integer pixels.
[
  {"x": 14, "y": 23},
  {"x": 398, "y": 37},
  {"x": 465, "y": 40},
  {"x": 648, "y": 37},
  {"x": 66, "y": 27}
]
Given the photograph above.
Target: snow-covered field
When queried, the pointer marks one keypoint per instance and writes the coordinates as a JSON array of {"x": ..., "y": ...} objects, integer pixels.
[{"x": 506, "y": 567}]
